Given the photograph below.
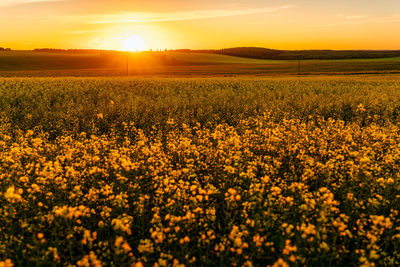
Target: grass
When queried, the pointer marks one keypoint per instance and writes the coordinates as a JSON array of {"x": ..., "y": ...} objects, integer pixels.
[
  {"x": 204, "y": 172},
  {"x": 178, "y": 64},
  {"x": 28, "y": 60},
  {"x": 205, "y": 58}
]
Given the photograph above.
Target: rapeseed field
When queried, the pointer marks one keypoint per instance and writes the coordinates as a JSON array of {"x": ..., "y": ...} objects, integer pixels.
[{"x": 200, "y": 172}]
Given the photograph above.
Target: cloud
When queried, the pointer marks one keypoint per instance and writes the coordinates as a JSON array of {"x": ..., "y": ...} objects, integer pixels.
[
  {"x": 356, "y": 17},
  {"x": 4, "y": 3},
  {"x": 142, "y": 17}
]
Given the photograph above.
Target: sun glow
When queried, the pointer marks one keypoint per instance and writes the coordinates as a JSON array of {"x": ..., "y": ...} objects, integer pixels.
[{"x": 134, "y": 43}]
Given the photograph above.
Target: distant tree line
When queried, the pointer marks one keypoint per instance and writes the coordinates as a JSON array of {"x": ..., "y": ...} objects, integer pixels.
[
  {"x": 68, "y": 50},
  {"x": 77, "y": 51},
  {"x": 5, "y": 49}
]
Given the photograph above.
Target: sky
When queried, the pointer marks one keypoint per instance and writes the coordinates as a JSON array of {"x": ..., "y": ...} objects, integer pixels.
[{"x": 206, "y": 24}]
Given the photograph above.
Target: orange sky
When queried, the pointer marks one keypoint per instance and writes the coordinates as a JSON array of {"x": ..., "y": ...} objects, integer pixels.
[{"x": 280, "y": 24}]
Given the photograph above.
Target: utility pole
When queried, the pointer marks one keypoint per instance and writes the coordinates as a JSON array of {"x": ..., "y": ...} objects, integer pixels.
[
  {"x": 127, "y": 63},
  {"x": 298, "y": 65}
]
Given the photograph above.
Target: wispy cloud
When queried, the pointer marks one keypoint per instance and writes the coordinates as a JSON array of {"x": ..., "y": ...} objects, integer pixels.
[
  {"x": 142, "y": 17},
  {"x": 361, "y": 19},
  {"x": 81, "y": 32},
  {"x": 4, "y": 3}
]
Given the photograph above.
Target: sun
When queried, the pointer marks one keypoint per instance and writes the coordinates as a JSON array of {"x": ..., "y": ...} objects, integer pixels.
[{"x": 134, "y": 43}]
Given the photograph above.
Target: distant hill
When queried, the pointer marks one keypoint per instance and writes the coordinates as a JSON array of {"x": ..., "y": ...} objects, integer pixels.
[
  {"x": 257, "y": 53},
  {"x": 251, "y": 52},
  {"x": 264, "y": 53},
  {"x": 273, "y": 54}
]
